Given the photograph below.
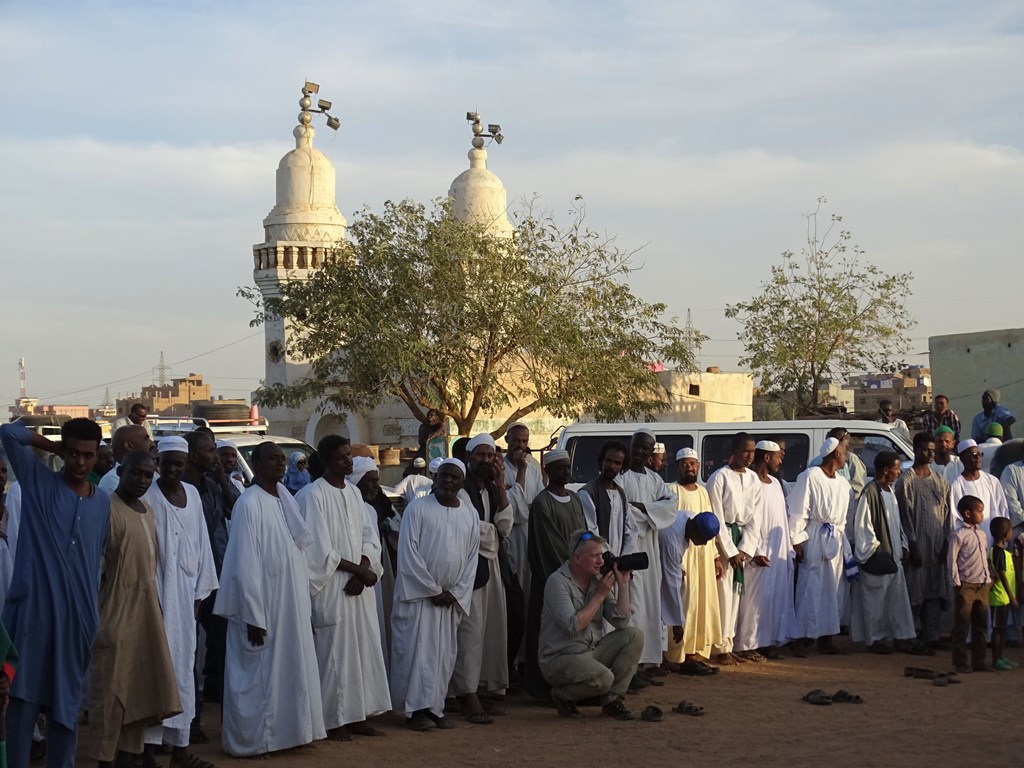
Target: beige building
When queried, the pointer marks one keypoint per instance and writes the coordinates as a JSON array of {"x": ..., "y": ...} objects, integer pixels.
[
  {"x": 30, "y": 406},
  {"x": 966, "y": 364},
  {"x": 711, "y": 396},
  {"x": 909, "y": 389},
  {"x": 174, "y": 399}
]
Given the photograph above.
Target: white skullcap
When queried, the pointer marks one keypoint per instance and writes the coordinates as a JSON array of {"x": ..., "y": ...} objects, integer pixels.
[
  {"x": 455, "y": 463},
  {"x": 360, "y": 466},
  {"x": 226, "y": 444},
  {"x": 172, "y": 443},
  {"x": 516, "y": 425},
  {"x": 659, "y": 447},
  {"x": 966, "y": 445},
  {"x": 419, "y": 462},
  {"x": 769, "y": 445},
  {"x": 646, "y": 431},
  {"x": 686, "y": 453},
  {"x": 551, "y": 456},
  {"x": 434, "y": 465},
  {"x": 828, "y": 446},
  {"x": 482, "y": 439}
]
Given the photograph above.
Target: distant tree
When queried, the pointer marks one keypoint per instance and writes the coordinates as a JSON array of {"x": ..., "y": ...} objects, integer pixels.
[
  {"x": 422, "y": 307},
  {"x": 823, "y": 315}
]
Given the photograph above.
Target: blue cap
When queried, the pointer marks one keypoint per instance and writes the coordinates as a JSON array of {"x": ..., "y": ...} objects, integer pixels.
[{"x": 707, "y": 524}]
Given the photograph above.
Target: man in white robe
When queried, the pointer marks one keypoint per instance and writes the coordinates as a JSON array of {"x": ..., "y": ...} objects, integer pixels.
[
  {"x": 653, "y": 508},
  {"x": 766, "y": 615},
  {"x": 818, "y": 507},
  {"x": 132, "y": 437},
  {"x": 483, "y": 634},
  {"x": 438, "y": 546},
  {"x": 524, "y": 480},
  {"x": 344, "y": 566},
  {"x": 974, "y": 481},
  {"x": 605, "y": 506},
  {"x": 416, "y": 484},
  {"x": 735, "y": 493},
  {"x": 271, "y": 681},
  {"x": 186, "y": 575},
  {"x": 881, "y": 603},
  {"x": 1012, "y": 480}
]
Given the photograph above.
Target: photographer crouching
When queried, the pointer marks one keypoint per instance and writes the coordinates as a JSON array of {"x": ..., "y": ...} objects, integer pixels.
[{"x": 577, "y": 658}]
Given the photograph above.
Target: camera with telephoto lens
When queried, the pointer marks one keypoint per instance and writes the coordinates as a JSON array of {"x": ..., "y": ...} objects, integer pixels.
[{"x": 638, "y": 561}]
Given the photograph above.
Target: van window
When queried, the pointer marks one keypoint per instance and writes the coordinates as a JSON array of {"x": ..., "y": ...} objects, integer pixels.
[
  {"x": 867, "y": 445},
  {"x": 716, "y": 450},
  {"x": 583, "y": 450}
]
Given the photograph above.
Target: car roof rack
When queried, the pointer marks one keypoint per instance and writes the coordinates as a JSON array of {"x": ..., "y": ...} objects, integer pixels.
[{"x": 163, "y": 426}]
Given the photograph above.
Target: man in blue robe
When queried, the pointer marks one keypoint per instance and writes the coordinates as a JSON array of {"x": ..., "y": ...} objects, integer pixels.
[{"x": 52, "y": 610}]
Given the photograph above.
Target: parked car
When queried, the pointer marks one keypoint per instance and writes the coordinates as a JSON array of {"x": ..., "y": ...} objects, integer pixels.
[{"x": 713, "y": 443}]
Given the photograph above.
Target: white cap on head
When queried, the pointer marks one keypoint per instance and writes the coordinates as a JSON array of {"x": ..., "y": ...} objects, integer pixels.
[
  {"x": 435, "y": 463},
  {"x": 172, "y": 443},
  {"x": 659, "y": 447},
  {"x": 768, "y": 445},
  {"x": 419, "y": 462},
  {"x": 966, "y": 445},
  {"x": 482, "y": 439},
  {"x": 828, "y": 446},
  {"x": 516, "y": 425},
  {"x": 225, "y": 444},
  {"x": 455, "y": 463},
  {"x": 646, "y": 431},
  {"x": 360, "y": 466},
  {"x": 686, "y": 453},
  {"x": 551, "y": 456}
]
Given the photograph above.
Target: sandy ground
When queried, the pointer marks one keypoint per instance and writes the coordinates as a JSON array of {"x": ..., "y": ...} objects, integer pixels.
[{"x": 754, "y": 715}]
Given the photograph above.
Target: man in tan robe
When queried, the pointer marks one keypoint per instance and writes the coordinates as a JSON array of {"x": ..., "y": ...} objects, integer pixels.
[{"x": 133, "y": 685}]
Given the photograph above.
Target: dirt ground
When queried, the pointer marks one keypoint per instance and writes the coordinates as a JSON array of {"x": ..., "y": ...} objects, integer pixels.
[{"x": 754, "y": 715}]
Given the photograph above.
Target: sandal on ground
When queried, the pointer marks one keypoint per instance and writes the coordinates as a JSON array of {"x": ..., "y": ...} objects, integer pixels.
[
  {"x": 920, "y": 673},
  {"x": 843, "y": 696},
  {"x": 753, "y": 656},
  {"x": 688, "y": 708},
  {"x": 651, "y": 714},
  {"x": 941, "y": 680},
  {"x": 953, "y": 678},
  {"x": 1002, "y": 665},
  {"x": 817, "y": 696},
  {"x": 479, "y": 718},
  {"x": 192, "y": 761},
  {"x": 695, "y": 669}
]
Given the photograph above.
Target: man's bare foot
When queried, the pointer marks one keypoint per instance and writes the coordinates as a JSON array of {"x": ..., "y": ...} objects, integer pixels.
[
  {"x": 339, "y": 734},
  {"x": 725, "y": 660},
  {"x": 363, "y": 728}
]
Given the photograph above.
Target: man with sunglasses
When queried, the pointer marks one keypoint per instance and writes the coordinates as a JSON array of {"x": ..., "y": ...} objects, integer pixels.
[{"x": 576, "y": 657}]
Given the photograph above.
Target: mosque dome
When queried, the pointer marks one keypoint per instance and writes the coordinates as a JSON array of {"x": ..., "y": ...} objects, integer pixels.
[
  {"x": 479, "y": 196},
  {"x": 305, "y": 208}
]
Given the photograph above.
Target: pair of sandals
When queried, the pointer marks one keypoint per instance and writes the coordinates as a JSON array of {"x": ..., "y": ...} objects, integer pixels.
[
  {"x": 842, "y": 696},
  {"x": 940, "y": 679},
  {"x": 653, "y": 714}
]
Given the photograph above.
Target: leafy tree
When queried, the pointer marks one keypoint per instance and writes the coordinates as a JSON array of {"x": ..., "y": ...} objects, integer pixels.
[
  {"x": 823, "y": 315},
  {"x": 438, "y": 313}
]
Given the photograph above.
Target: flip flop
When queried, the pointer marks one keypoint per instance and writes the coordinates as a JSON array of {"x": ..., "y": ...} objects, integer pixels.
[
  {"x": 920, "y": 673},
  {"x": 953, "y": 678},
  {"x": 651, "y": 714},
  {"x": 941, "y": 680},
  {"x": 479, "y": 718},
  {"x": 688, "y": 708},
  {"x": 843, "y": 696},
  {"x": 817, "y": 696}
]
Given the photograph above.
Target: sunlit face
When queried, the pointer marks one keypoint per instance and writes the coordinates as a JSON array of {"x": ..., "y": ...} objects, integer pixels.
[
  {"x": 640, "y": 449},
  {"x": 481, "y": 461},
  {"x": 588, "y": 557},
  {"x": 974, "y": 515},
  {"x": 271, "y": 465},
  {"x": 448, "y": 483},
  {"x": 559, "y": 471},
  {"x": 688, "y": 471},
  {"x": 136, "y": 477},
  {"x": 518, "y": 439},
  {"x": 204, "y": 454},
  {"x": 339, "y": 463},
  {"x": 173, "y": 464},
  {"x": 971, "y": 459},
  {"x": 743, "y": 456},
  {"x": 925, "y": 453},
  {"x": 941, "y": 405},
  {"x": 79, "y": 458},
  {"x": 889, "y": 474},
  {"x": 944, "y": 443},
  {"x": 773, "y": 460},
  {"x": 228, "y": 458},
  {"x": 611, "y": 467}
]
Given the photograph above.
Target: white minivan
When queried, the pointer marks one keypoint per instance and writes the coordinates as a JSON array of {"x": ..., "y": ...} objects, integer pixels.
[{"x": 713, "y": 443}]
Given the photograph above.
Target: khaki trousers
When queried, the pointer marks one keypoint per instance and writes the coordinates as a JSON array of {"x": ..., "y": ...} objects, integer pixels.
[
  {"x": 970, "y": 612},
  {"x": 604, "y": 672}
]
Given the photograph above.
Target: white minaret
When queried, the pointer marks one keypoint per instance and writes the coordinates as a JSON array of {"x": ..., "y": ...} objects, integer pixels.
[
  {"x": 478, "y": 194},
  {"x": 302, "y": 230}
]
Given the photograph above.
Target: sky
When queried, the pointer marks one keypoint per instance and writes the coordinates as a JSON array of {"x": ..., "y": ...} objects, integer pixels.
[{"x": 138, "y": 143}]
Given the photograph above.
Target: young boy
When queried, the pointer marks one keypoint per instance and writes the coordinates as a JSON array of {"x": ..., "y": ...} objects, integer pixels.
[
  {"x": 969, "y": 572},
  {"x": 1003, "y": 595}
]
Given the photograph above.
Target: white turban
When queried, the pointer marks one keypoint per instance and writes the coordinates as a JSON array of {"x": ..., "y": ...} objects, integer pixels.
[
  {"x": 770, "y": 445},
  {"x": 551, "y": 456},
  {"x": 659, "y": 448},
  {"x": 646, "y": 431},
  {"x": 966, "y": 445},
  {"x": 828, "y": 446},
  {"x": 482, "y": 439},
  {"x": 226, "y": 444},
  {"x": 455, "y": 463},
  {"x": 435, "y": 464},
  {"x": 360, "y": 466},
  {"x": 172, "y": 443},
  {"x": 686, "y": 453}
]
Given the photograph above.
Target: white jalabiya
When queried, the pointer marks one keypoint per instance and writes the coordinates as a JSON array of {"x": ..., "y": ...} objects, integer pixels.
[
  {"x": 950, "y": 471},
  {"x": 735, "y": 498},
  {"x": 673, "y": 544},
  {"x": 881, "y": 603},
  {"x": 271, "y": 692},
  {"x": 412, "y": 487},
  {"x": 659, "y": 502},
  {"x": 437, "y": 552},
  {"x": 520, "y": 497},
  {"x": 1012, "y": 480},
  {"x": 349, "y": 653},
  {"x": 766, "y": 615},
  {"x": 185, "y": 574},
  {"x": 9, "y": 547},
  {"x": 818, "y": 507},
  {"x": 622, "y": 530},
  {"x": 989, "y": 490},
  {"x": 483, "y": 633}
]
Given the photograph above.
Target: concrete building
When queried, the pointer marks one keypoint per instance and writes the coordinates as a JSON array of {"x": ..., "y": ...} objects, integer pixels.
[
  {"x": 30, "y": 406},
  {"x": 174, "y": 399},
  {"x": 909, "y": 389},
  {"x": 964, "y": 365},
  {"x": 711, "y": 396}
]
